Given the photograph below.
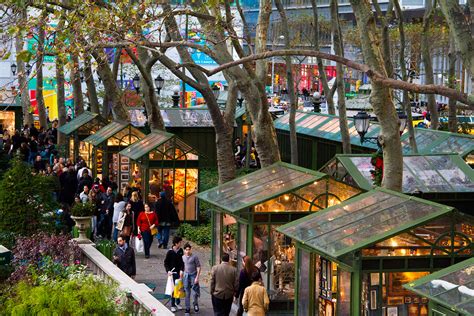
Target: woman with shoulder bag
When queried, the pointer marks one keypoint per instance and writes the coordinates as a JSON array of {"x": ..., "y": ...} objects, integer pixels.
[{"x": 147, "y": 224}]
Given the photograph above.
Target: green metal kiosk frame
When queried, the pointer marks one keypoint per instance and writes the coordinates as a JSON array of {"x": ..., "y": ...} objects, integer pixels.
[
  {"x": 353, "y": 257},
  {"x": 160, "y": 151},
  {"x": 442, "y": 178},
  {"x": 111, "y": 139},
  {"x": 77, "y": 130},
  {"x": 320, "y": 139},
  {"x": 249, "y": 209},
  {"x": 450, "y": 291}
]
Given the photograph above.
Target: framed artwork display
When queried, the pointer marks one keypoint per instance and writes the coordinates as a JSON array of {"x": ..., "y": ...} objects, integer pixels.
[{"x": 392, "y": 311}]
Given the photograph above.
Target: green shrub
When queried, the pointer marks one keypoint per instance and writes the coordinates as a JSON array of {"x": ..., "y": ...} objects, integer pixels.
[
  {"x": 7, "y": 239},
  {"x": 201, "y": 235},
  {"x": 26, "y": 200},
  {"x": 81, "y": 295},
  {"x": 83, "y": 209}
]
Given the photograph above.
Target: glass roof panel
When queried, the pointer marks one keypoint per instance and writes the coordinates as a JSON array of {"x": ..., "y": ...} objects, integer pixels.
[
  {"x": 445, "y": 165},
  {"x": 145, "y": 145},
  {"x": 105, "y": 133},
  {"x": 259, "y": 186},
  {"x": 424, "y": 139},
  {"x": 362, "y": 221},
  {"x": 456, "y": 144},
  {"x": 453, "y": 287},
  {"x": 77, "y": 122},
  {"x": 187, "y": 118}
]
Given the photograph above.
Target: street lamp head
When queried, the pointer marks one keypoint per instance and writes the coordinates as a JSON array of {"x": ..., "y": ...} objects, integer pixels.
[
  {"x": 362, "y": 122},
  {"x": 240, "y": 98},
  {"x": 216, "y": 91},
  {"x": 28, "y": 69},
  {"x": 402, "y": 118},
  {"x": 99, "y": 77},
  {"x": 159, "y": 82},
  {"x": 13, "y": 68},
  {"x": 136, "y": 83}
]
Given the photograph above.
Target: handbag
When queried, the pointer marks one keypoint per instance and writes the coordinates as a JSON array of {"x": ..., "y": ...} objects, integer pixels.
[
  {"x": 126, "y": 231},
  {"x": 139, "y": 247},
  {"x": 153, "y": 230},
  {"x": 169, "y": 286},
  {"x": 120, "y": 222},
  {"x": 179, "y": 289}
]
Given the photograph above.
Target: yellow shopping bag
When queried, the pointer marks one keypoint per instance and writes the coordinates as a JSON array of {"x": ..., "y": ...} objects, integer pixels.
[{"x": 179, "y": 289}]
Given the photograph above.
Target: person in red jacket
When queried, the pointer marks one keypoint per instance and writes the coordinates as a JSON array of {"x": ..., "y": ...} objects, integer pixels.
[{"x": 146, "y": 222}]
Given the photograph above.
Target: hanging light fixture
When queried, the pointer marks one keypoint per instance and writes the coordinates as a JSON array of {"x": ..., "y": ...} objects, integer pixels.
[
  {"x": 216, "y": 91},
  {"x": 28, "y": 69},
  {"x": 402, "y": 118},
  {"x": 361, "y": 123}
]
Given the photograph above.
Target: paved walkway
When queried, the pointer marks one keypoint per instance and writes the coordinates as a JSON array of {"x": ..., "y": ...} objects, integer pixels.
[{"x": 152, "y": 270}]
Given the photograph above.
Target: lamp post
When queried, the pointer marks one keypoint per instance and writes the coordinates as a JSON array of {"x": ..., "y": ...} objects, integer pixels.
[
  {"x": 136, "y": 86},
  {"x": 317, "y": 102},
  {"x": 159, "y": 82},
  {"x": 362, "y": 123},
  {"x": 28, "y": 69},
  {"x": 81, "y": 74},
  {"x": 13, "y": 67},
  {"x": 99, "y": 77},
  {"x": 216, "y": 91},
  {"x": 175, "y": 98}
]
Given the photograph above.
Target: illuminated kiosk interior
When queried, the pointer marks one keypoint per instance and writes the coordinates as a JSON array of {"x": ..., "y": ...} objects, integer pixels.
[
  {"x": 354, "y": 257},
  {"x": 77, "y": 130},
  {"x": 450, "y": 291},
  {"x": 104, "y": 147},
  {"x": 161, "y": 161},
  {"x": 249, "y": 209},
  {"x": 442, "y": 178}
]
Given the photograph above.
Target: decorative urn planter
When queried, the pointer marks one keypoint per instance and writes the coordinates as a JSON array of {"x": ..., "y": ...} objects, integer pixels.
[{"x": 82, "y": 224}]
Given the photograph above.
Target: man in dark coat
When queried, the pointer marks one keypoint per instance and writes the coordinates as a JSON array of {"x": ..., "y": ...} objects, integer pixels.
[
  {"x": 167, "y": 216},
  {"x": 85, "y": 179},
  {"x": 124, "y": 257},
  {"x": 69, "y": 183}
]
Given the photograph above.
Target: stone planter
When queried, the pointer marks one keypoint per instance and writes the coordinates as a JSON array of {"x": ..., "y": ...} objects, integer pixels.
[{"x": 82, "y": 223}]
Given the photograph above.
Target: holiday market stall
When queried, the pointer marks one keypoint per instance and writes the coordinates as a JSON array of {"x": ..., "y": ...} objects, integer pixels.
[
  {"x": 442, "y": 178},
  {"x": 353, "y": 258},
  {"x": 77, "y": 130},
  {"x": 319, "y": 139},
  {"x": 450, "y": 291},
  {"x": 163, "y": 162},
  {"x": 104, "y": 146},
  {"x": 248, "y": 210}
]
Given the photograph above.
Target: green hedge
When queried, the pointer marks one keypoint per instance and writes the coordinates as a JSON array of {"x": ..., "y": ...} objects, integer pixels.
[{"x": 201, "y": 235}]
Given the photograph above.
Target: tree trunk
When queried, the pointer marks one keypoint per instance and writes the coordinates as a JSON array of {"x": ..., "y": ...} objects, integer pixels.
[
  {"x": 77, "y": 86},
  {"x": 341, "y": 100},
  {"x": 43, "y": 119},
  {"x": 462, "y": 33},
  {"x": 403, "y": 70},
  {"x": 91, "y": 88},
  {"x": 290, "y": 85},
  {"x": 23, "y": 83},
  {"x": 381, "y": 99},
  {"x": 452, "y": 119},
  {"x": 322, "y": 72},
  {"x": 61, "y": 101},
  {"x": 261, "y": 37},
  {"x": 427, "y": 62},
  {"x": 113, "y": 93},
  {"x": 384, "y": 20}
]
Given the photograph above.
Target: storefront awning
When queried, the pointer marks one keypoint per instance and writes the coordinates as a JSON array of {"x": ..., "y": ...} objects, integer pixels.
[
  {"x": 428, "y": 141},
  {"x": 152, "y": 141},
  {"x": 77, "y": 122},
  {"x": 105, "y": 133},
  {"x": 259, "y": 186},
  {"x": 443, "y": 173},
  {"x": 362, "y": 221},
  {"x": 452, "y": 287}
]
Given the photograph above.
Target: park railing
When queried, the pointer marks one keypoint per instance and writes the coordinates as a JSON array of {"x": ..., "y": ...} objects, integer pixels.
[{"x": 104, "y": 268}]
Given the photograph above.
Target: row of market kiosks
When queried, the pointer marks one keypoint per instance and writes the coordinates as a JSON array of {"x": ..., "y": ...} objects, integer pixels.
[
  {"x": 325, "y": 247},
  {"x": 156, "y": 162}
]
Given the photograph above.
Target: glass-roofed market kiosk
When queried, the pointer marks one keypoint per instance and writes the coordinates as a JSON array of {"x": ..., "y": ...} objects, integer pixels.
[
  {"x": 249, "y": 209},
  {"x": 450, "y": 291},
  {"x": 162, "y": 161},
  {"x": 77, "y": 130},
  {"x": 104, "y": 146},
  {"x": 442, "y": 178},
  {"x": 354, "y": 257}
]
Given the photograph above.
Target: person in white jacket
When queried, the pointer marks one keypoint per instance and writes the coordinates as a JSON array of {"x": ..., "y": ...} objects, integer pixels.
[{"x": 119, "y": 207}]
